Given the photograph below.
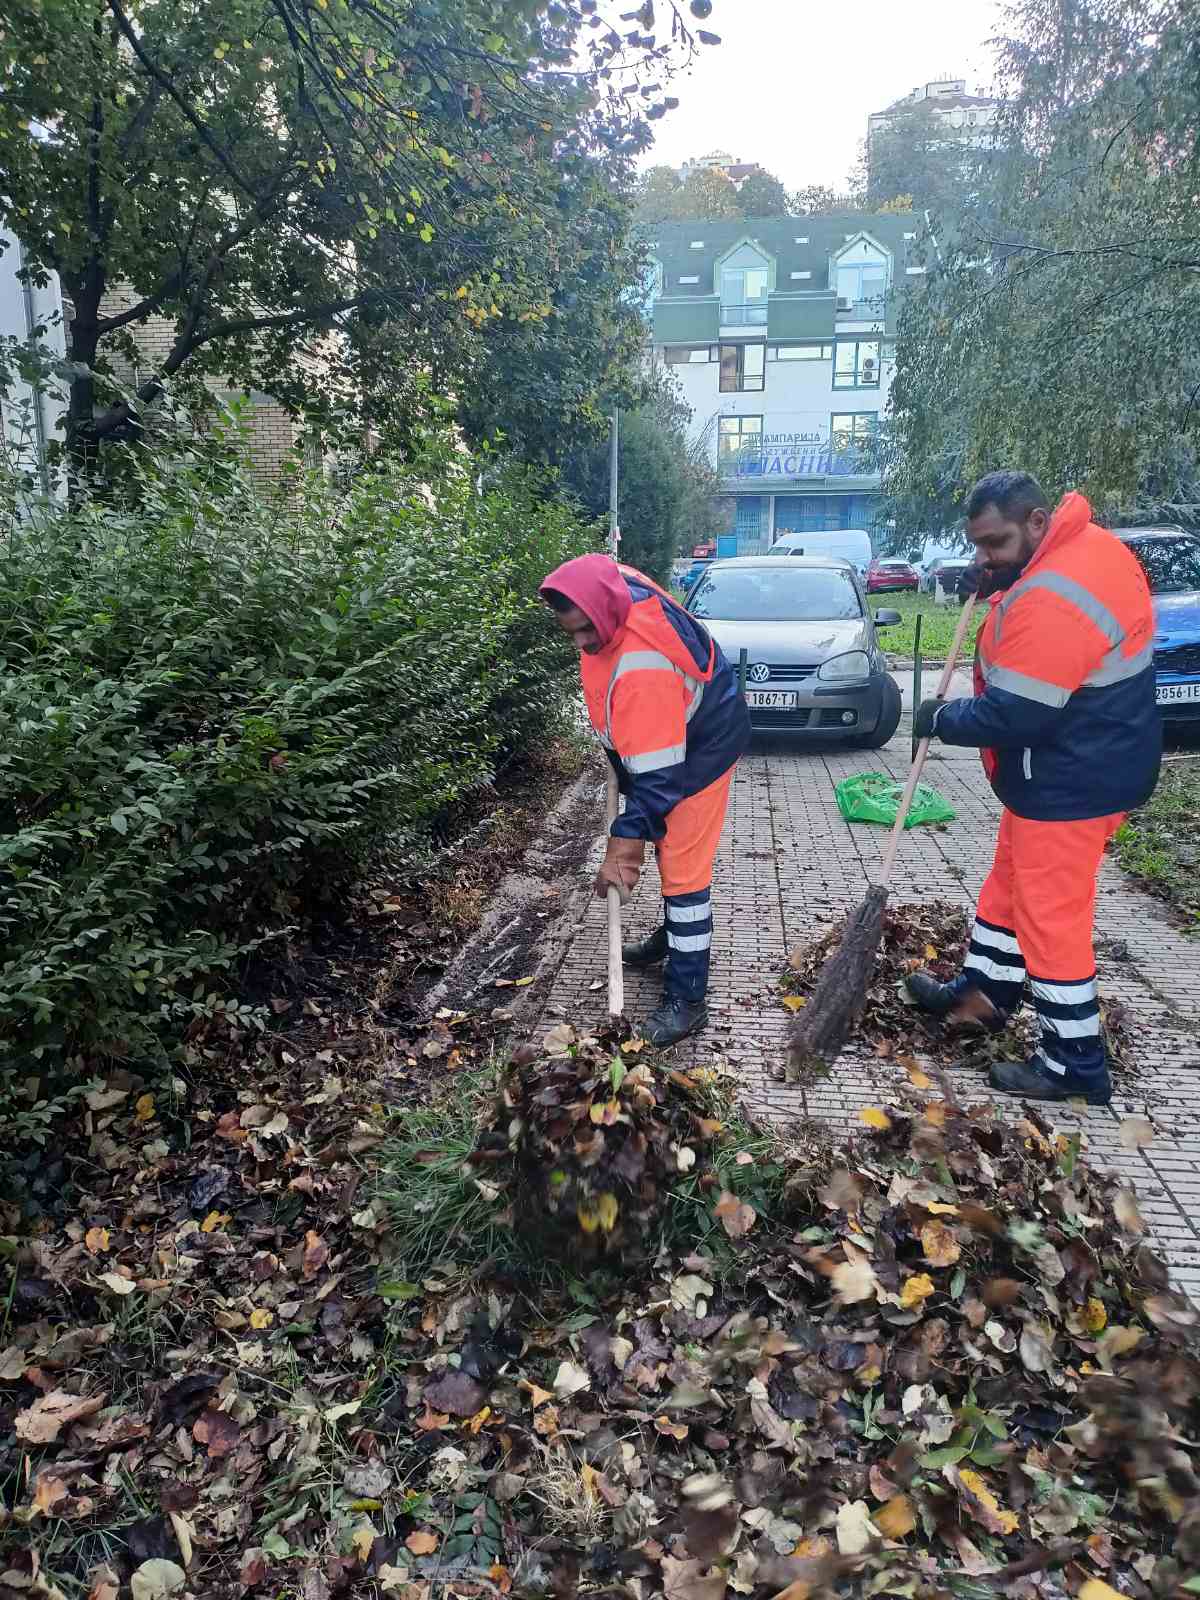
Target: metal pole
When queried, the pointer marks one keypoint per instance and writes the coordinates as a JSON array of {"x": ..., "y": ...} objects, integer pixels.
[
  {"x": 743, "y": 658},
  {"x": 614, "y": 530}
]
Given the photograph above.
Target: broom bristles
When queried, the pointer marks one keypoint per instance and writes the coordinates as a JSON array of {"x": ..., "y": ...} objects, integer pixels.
[{"x": 818, "y": 1035}]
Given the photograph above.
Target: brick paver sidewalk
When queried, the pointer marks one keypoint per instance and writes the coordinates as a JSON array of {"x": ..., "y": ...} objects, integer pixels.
[{"x": 789, "y": 866}]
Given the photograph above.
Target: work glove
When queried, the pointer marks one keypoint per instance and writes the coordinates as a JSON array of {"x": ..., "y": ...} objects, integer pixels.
[
  {"x": 621, "y": 867},
  {"x": 925, "y": 717}
]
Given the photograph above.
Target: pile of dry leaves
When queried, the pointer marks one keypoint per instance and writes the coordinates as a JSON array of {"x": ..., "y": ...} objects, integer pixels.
[
  {"x": 941, "y": 1362},
  {"x": 932, "y": 935}
]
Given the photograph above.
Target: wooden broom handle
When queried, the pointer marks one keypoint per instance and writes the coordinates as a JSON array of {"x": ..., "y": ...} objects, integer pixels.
[
  {"x": 918, "y": 762},
  {"x": 616, "y": 971}
]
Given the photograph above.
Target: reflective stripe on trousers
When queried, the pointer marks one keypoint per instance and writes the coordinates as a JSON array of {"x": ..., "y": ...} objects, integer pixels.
[{"x": 689, "y": 944}]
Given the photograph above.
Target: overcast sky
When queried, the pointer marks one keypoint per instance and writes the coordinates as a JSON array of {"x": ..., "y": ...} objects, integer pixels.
[{"x": 792, "y": 82}]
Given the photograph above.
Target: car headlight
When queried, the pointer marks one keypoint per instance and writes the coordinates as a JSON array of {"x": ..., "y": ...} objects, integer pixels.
[{"x": 855, "y": 664}]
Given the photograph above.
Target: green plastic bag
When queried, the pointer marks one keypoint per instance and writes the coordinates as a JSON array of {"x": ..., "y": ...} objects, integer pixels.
[{"x": 874, "y": 797}]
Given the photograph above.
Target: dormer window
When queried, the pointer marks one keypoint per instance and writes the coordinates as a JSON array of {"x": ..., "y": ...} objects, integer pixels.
[
  {"x": 863, "y": 270},
  {"x": 745, "y": 283}
]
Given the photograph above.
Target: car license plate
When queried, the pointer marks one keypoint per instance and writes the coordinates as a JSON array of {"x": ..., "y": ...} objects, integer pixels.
[
  {"x": 1169, "y": 693},
  {"x": 771, "y": 699}
]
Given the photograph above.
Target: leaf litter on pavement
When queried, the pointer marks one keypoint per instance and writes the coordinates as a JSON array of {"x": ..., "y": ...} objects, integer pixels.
[
  {"x": 933, "y": 935},
  {"x": 942, "y": 1360}
]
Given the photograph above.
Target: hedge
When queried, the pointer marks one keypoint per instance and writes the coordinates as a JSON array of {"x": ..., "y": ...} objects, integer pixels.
[{"x": 213, "y": 702}]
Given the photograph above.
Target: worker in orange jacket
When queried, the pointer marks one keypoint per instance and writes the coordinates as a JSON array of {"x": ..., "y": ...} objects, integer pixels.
[
  {"x": 667, "y": 707},
  {"x": 1065, "y": 716}
]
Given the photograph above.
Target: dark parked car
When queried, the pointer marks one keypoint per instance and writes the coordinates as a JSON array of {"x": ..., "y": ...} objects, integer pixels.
[
  {"x": 1171, "y": 558},
  {"x": 814, "y": 664},
  {"x": 947, "y": 570}
]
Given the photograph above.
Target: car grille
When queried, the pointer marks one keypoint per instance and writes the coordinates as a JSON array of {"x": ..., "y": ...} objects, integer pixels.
[
  {"x": 783, "y": 672},
  {"x": 1184, "y": 658},
  {"x": 779, "y": 719}
]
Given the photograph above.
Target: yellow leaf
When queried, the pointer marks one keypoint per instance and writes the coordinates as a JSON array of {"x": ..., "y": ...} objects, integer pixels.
[
  {"x": 263, "y": 1319},
  {"x": 974, "y": 1483},
  {"x": 1095, "y": 1317},
  {"x": 143, "y": 1107},
  {"x": 919, "y": 1079},
  {"x": 523, "y": 983},
  {"x": 795, "y": 1002},
  {"x": 1095, "y": 1589},
  {"x": 96, "y": 1240},
  {"x": 939, "y": 1208},
  {"x": 1119, "y": 1341},
  {"x": 588, "y": 1219},
  {"x": 935, "y": 1114},
  {"x": 537, "y": 1397},
  {"x": 875, "y": 1118},
  {"x": 917, "y": 1288},
  {"x": 363, "y": 1540},
  {"x": 930, "y": 952},
  {"x": 607, "y": 1209},
  {"x": 897, "y": 1518},
  {"x": 215, "y": 1220},
  {"x": 589, "y": 1476}
]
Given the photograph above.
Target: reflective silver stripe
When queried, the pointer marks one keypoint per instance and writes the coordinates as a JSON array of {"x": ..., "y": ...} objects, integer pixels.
[
  {"x": 689, "y": 913},
  {"x": 655, "y": 760},
  {"x": 1083, "y": 599},
  {"x": 1042, "y": 1060},
  {"x": 1027, "y": 763},
  {"x": 1020, "y": 683},
  {"x": 644, "y": 661},
  {"x": 994, "y": 939},
  {"x": 1116, "y": 668},
  {"x": 698, "y": 688},
  {"x": 998, "y": 971},
  {"x": 1065, "y": 994},
  {"x": 1087, "y": 1028},
  {"x": 688, "y": 941}
]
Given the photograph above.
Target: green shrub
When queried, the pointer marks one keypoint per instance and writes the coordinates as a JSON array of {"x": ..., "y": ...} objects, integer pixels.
[{"x": 214, "y": 704}]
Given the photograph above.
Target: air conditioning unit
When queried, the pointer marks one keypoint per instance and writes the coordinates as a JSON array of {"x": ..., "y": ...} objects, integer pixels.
[{"x": 844, "y": 303}]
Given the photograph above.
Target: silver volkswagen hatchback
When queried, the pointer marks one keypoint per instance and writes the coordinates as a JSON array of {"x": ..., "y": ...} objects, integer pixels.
[{"x": 813, "y": 662}]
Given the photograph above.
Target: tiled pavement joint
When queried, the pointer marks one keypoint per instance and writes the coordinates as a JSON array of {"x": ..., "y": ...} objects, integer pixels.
[{"x": 789, "y": 867}]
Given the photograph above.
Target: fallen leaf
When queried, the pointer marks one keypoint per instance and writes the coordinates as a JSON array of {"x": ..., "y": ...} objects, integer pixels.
[
  {"x": 545, "y": 1421},
  {"x": 157, "y": 1580},
  {"x": 1125, "y": 1209},
  {"x": 261, "y": 1318},
  {"x": 422, "y": 1542},
  {"x": 897, "y": 1518},
  {"x": 95, "y": 1241},
  {"x": 855, "y": 1530},
  {"x": 1097, "y": 1589},
  {"x": 916, "y": 1289},
  {"x": 688, "y": 1580},
  {"x": 735, "y": 1216},
  {"x": 1119, "y": 1341},
  {"x": 363, "y": 1541},
  {"x": 48, "y": 1492},
  {"x": 456, "y": 1393},
  {"x": 940, "y": 1246},
  {"x": 215, "y": 1220},
  {"x": 43, "y": 1421},
  {"x": 316, "y": 1254},
  {"x": 217, "y": 1431},
  {"x": 118, "y": 1283},
  {"x": 854, "y": 1279},
  {"x": 873, "y": 1117},
  {"x": 569, "y": 1380},
  {"x": 1095, "y": 1317},
  {"x": 919, "y": 1079},
  {"x": 980, "y": 1501},
  {"x": 794, "y": 1002},
  {"x": 143, "y": 1107},
  {"x": 1136, "y": 1133}
]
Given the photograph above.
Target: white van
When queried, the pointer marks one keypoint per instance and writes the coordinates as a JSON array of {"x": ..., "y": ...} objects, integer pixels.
[{"x": 851, "y": 544}]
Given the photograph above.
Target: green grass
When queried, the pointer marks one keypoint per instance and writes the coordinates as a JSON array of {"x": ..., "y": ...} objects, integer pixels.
[
  {"x": 937, "y": 628},
  {"x": 1160, "y": 844}
]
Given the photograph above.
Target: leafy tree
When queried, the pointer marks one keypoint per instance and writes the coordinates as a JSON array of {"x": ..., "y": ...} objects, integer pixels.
[
  {"x": 816, "y": 199},
  {"x": 270, "y": 182},
  {"x": 762, "y": 195},
  {"x": 706, "y": 193},
  {"x": 918, "y": 156},
  {"x": 657, "y": 194},
  {"x": 666, "y": 482},
  {"x": 1060, "y": 335}
]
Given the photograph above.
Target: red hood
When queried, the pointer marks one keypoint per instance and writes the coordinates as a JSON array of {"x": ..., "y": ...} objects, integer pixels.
[{"x": 594, "y": 584}]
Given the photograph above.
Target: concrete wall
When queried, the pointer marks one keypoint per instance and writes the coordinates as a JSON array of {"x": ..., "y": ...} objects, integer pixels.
[{"x": 30, "y": 418}]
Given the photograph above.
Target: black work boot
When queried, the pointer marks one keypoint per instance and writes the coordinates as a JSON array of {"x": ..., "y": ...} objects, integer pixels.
[
  {"x": 673, "y": 1020},
  {"x": 1034, "y": 1080},
  {"x": 940, "y": 999},
  {"x": 648, "y": 952}
]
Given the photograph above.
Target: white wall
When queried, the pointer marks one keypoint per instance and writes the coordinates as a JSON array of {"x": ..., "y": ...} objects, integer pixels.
[{"x": 29, "y": 419}]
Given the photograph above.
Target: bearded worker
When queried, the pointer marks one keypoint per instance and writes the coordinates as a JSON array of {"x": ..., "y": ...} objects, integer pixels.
[
  {"x": 667, "y": 709},
  {"x": 1065, "y": 716}
]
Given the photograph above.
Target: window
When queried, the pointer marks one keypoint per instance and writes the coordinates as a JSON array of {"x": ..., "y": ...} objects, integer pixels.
[
  {"x": 776, "y": 594},
  {"x": 687, "y": 355},
  {"x": 862, "y": 287},
  {"x": 852, "y": 430},
  {"x": 856, "y": 365},
  {"x": 739, "y": 439},
  {"x": 801, "y": 352},
  {"x": 745, "y": 284},
  {"x": 742, "y": 367}
]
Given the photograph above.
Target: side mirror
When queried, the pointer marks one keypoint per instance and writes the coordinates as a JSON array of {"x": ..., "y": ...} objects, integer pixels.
[{"x": 887, "y": 619}]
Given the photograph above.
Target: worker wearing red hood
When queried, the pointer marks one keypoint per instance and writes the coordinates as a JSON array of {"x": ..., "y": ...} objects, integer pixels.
[
  {"x": 1064, "y": 714},
  {"x": 667, "y": 708}
]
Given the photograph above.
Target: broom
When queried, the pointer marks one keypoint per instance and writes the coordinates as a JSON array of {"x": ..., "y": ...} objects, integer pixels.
[
  {"x": 819, "y": 1033},
  {"x": 616, "y": 971}
]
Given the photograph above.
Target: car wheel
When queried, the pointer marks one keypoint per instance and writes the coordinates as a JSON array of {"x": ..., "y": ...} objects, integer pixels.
[{"x": 889, "y": 717}]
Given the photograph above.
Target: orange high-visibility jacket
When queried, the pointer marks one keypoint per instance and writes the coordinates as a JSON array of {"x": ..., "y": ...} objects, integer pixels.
[
  {"x": 1065, "y": 706},
  {"x": 666, "y": 705}
]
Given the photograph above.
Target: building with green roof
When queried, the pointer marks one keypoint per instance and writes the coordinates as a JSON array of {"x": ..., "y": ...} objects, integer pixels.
[{"x": 781, "y": 333}]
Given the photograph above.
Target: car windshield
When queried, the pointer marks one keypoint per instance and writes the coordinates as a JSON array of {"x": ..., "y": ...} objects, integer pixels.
[
  {"x": 1172, "y": 565},
  {"x": 781, "y": 594}
]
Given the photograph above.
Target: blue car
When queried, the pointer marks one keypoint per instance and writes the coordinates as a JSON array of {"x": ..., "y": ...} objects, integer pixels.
[
  {"x": 1171, "y": 558},
  {"x": 692, "y": 575}
]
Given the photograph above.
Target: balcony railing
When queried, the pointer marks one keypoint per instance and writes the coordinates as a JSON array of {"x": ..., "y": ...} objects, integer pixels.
[
  {"x": 868, "y": 310},
  {"x": 751, "y": 314}
]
